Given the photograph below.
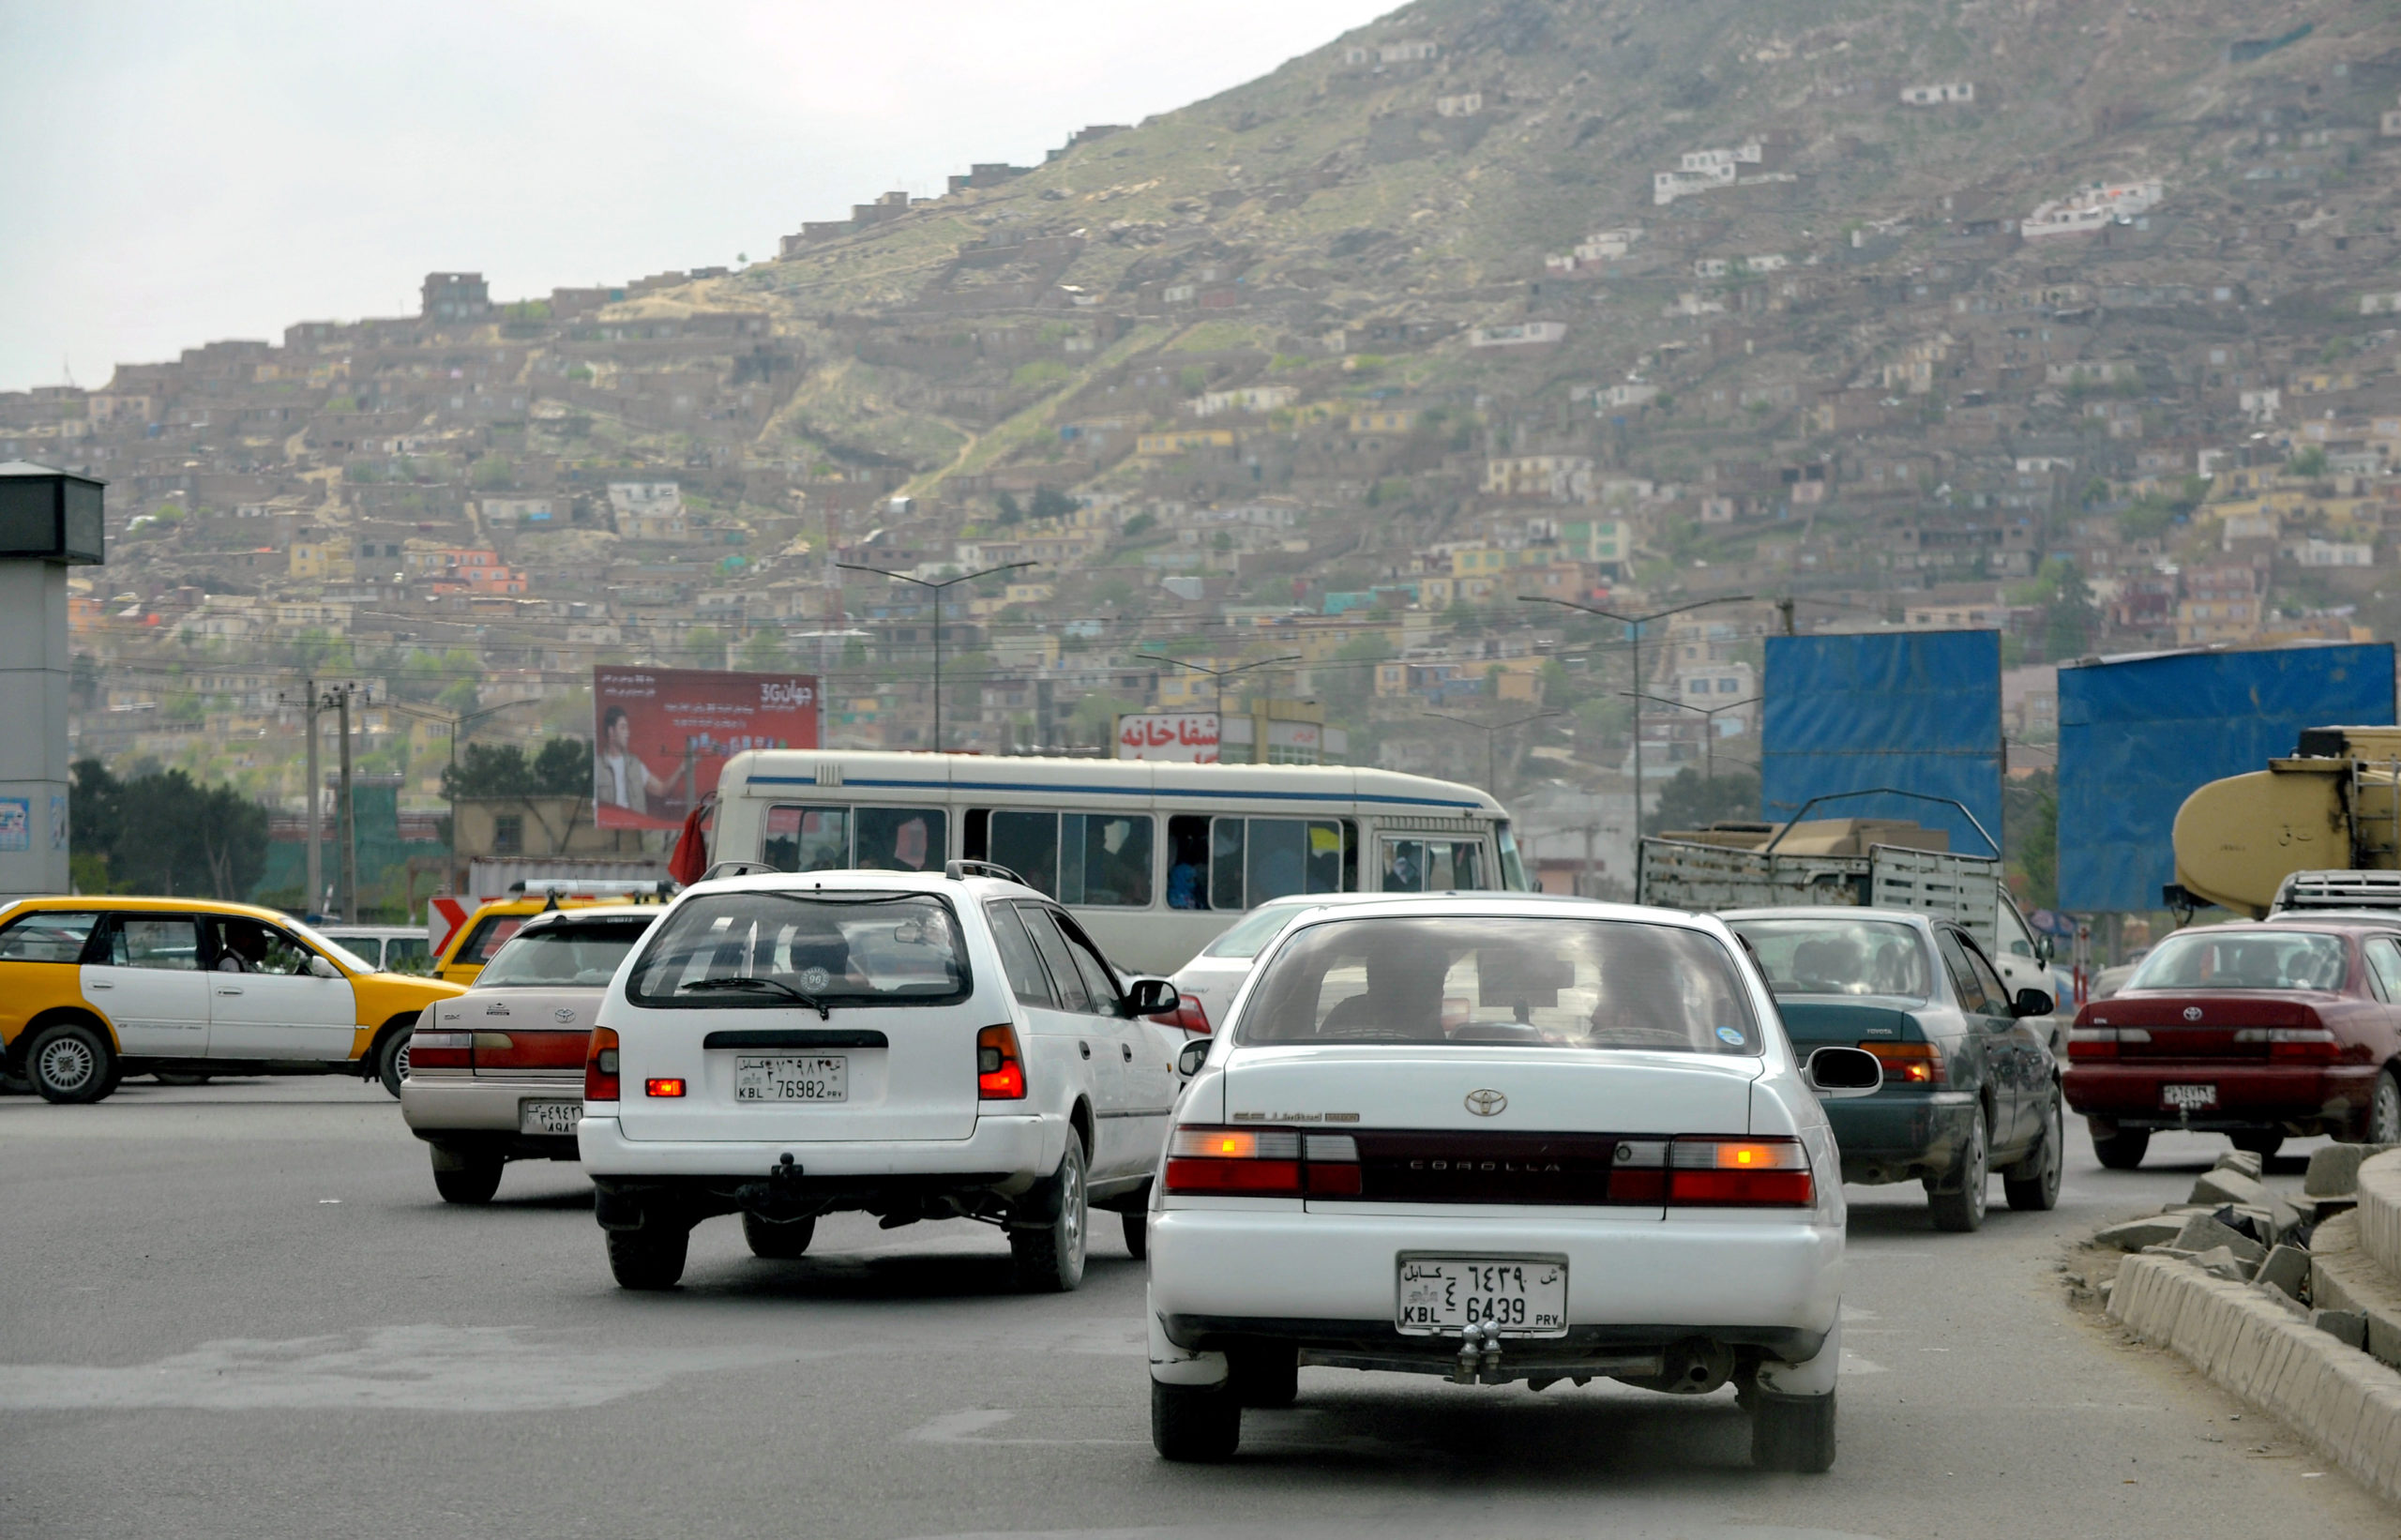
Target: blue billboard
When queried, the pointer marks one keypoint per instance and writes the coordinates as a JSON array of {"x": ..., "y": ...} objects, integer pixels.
[
  {"x": 2138, "y": 735},
  {"x": 1916, "y": 711}
]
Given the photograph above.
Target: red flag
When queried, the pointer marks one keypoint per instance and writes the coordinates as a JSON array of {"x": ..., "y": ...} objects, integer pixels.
[{"x": 690, "y": 860}]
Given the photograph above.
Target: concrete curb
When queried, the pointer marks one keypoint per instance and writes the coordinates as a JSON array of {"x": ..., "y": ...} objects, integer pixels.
[
  {"x": 2379, "y": 1211},
  {"x": 2343, "y": 1402}
]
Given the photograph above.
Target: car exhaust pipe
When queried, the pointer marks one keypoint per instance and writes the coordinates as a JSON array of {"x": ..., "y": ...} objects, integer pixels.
[{"x": 1695, "y": 1366}]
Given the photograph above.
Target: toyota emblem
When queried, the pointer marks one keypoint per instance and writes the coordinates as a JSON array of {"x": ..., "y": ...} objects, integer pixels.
[
  {"x": 2192, "y": 1013},
  {"x": 1487, "y": 1104}
]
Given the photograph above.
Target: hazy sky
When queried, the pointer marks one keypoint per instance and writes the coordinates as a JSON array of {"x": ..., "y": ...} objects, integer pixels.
[{"x": 177, "y": 172}]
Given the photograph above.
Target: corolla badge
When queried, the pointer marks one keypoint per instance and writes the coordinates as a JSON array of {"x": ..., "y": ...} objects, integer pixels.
[
  {"x": 2192, "y": 1013},
  {"x": 1487, "y": 1104}
]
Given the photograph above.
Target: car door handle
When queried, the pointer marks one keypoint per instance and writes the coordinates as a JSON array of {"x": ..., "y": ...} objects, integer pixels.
[
  {"x": 1128, "y": 1049},
  {"x": 101, "y": 984},
  {"x": 223, "y": 988},
  {"x": 1087, "y": 1047}
]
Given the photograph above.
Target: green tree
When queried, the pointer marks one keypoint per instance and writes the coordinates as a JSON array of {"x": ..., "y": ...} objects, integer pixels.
[
  {"x": 562, "y": 767},
  {"x": 1050, "y": 503},
  {"x": 704, "y": 645},
  {"x": 165, "y": 833},
  {"x": 1006, "y": 509},
  {"x": 2030, "y": 837},
  {"x": 763, "y": 652},
  {"x": 491, "y": 473},
  {"x": 1691, "y": 801}
]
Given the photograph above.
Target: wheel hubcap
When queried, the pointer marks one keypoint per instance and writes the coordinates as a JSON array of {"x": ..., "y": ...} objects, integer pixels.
[
  {"x": 1071, "y": 1207},
  {"x": 2388, "y": 1112},
  {"x": 400, "y": 1061},
  {"x": 1976, "y": 1180},
  {"x": 68, "y": 1064}
]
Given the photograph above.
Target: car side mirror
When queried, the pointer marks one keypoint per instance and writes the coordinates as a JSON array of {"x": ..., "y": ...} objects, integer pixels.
[
  {"x": 1841, "y": 1073},
  {"x": 2033, "y": 1003},
  {"x": 1196, "y": 1053},
  {"x": 2045, "y": 949},
  {"x": 1150, "y": 997},
  {"x": 322, "y": 968}
]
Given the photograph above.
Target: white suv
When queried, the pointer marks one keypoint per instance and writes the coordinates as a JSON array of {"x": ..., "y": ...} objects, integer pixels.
[{"x": 917, "y": 1045}]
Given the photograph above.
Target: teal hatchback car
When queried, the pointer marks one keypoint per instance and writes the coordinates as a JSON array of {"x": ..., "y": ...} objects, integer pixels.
[{"x": 1970, "y": 1084}]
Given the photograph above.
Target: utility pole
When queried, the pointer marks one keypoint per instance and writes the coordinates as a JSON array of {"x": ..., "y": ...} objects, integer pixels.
[
  {"x": 1217, "y": 693},
  {"x": 345, "y": 816},
  {"x": 316, "y": 812},
  {"x": 1491, "y": 737},
  {"x": 1709, "y": 726},
  {"x": 1634, "y": 625},
  {"x": 939, "y": 589}
]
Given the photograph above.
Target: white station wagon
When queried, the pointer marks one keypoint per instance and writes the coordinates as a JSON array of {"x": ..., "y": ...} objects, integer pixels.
[
  {"x": 914, "y": 1046},
  {"x": 1500, "y": 1138}
]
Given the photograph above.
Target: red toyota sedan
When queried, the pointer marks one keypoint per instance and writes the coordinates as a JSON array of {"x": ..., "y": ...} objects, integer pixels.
[{"x": 2254, "y": 1030}]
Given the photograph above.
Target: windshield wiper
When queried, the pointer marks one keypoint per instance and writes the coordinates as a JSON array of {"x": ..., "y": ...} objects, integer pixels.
[{"x": 773, "y": 986}]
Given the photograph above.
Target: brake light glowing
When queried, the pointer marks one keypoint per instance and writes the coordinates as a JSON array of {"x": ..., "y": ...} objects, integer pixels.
[
  {"x": 1000, "y": 1072},
  {"x": 441, "y": 1051},
  {"x": 600, "y": 1066},
  {"x": 1255, "y": 1162},
  {"x": 1908, "y": 1063},
  {"x": 1739, "y": 1173},
  {"x": 662, "y": 1088}
]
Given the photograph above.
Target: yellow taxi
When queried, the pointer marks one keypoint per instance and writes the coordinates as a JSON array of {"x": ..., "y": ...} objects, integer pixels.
[
  {"x": 485, "y": 931},
  {"x": 95, "y": 988}
]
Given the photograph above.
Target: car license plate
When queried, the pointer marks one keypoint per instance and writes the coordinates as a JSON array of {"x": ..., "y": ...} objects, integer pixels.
[
  {"x": 548, "y": 1117},
  {"x": 821, "y": 1077},
  {"x": 1524, "y": 1296},
  {"x": 2188, "y": 1098}
]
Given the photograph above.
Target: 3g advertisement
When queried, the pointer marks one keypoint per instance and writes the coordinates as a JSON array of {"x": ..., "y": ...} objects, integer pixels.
[{"x": 660, "y": 736}]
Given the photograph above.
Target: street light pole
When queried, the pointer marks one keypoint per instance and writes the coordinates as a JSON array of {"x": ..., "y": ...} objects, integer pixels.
[
  {"x": 1491, "y": 738},
  {"x": 1709, "y": 730},
  {"x": 1634, "y": 625},
  {"x": 1217, "y": 691},
  {"x": 938, "y": 588}
]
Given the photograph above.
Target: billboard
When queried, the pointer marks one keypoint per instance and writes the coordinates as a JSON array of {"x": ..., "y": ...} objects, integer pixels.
[
  {"x": 1181, "y": 737},
  {"x": 2138, "y": 735},
  {"x": 661, "y": 735},
  {"x": 1918, "y": 711}
]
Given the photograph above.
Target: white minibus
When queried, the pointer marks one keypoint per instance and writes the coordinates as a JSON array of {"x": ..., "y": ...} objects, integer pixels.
[{"x": 1157, "y": 860}]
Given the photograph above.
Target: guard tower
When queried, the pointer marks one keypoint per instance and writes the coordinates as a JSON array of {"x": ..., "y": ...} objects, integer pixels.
[{"x": 50, "y": 520}]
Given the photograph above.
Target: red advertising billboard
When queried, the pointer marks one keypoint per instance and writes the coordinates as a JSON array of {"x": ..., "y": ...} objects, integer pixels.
[{"x": 662, "y": 735}]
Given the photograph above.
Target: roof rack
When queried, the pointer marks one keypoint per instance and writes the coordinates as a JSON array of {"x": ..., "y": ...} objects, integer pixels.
[
  {"x": 957, "y": 869},
  {"x": 2341, "y": 889},
  {"x": 737, "y": 868}
]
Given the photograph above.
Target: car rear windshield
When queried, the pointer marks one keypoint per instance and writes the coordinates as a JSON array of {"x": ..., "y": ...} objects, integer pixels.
[
  {"x": 1503, "y": 980},
  {"x": 780, "y": 949},
  {"x": 564, "y": 954},
  {"x": 1836, "y": 956},
  {"x": 1251, "y": 932},
  {"x": 2247, "y": 959}
]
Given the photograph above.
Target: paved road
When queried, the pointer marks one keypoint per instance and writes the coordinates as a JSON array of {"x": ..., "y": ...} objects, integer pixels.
[{"x": 239, "y": 1310}]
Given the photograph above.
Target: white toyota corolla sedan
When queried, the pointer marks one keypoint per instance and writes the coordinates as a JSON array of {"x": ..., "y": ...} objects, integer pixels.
[{"x": 1500, "y": 1137}]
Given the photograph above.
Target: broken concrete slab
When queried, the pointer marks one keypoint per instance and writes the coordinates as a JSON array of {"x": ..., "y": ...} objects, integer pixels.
[
  {"x": 2348, "y": 1327},
  {"x": 2202, "y": 1233},
  {"x": 2334, "y": 1169},
  {"x": 2134, "y": 1234},
  {"x": 2286, "y": 1269},
  {"x": 2221, "y": 1263},
  {"x": 2243, "y": 1162},
  {"x": 2217, "y": 1186}
]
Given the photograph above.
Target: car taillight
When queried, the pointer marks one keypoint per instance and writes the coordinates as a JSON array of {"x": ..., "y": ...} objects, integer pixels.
[
  {"x": 2102, "y": 1042},
  {"x": 1255, "y": 1162},
  {"x": 1189, "y": 1015},
  {"x": 2314, "y": 1045},
  {"x": 1000, "y": 1073},
  {"x": 1739, "y": 1174},
  {"x": 1908, "y": 1063},
  {"x": 600, "y": 1066},
  {"x": 441, "y": 1051}
]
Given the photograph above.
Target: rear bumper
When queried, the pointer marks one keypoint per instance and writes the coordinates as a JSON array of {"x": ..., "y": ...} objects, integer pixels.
[
  {"x": 1333, "y": 1278},
  {"x": 1901, "y": 1137},
  {"x": 478, "y": 1106},
  {"x": 1019, "y": 1149},
  {"x": 2308, "y": 1098}
]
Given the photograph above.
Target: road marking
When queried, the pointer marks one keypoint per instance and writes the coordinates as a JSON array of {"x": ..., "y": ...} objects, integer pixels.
[
  {"x": 968, "y": 1427},
  {"x": 1853, "y": 1364}
]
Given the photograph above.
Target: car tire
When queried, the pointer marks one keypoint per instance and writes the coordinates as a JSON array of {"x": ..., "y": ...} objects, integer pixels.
[
  {"x": 2264, "y": 1142},
  {"x": 1138, "y": 1234},
  {"x": 2384, "y": 1111},
  {"x": 778, "y": 1240},
  {"x": 461, "y": 1178},
  {"x": 1264, "y": 1377},
  {"x": 392, "y": 1058},
  {"x": 1195, "y": 1424},
  {"x": 177, "y": 1078},
  {"x": 1051, "y": 1259},
  {"x": 2032, "y": 1186},
  {"x": 1959, "y": 1207},
  {"x": 648, "y": 1258},
  {"x": 70, "y": 1063},
  {"x": 2121, "y": 1151},
  {"x": 1793, "y": 1433}
]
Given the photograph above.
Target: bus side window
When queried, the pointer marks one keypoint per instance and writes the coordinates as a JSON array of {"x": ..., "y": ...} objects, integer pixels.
[
  {"x": 1226, "y": 843},
  {"x": 1187, "y": 861},
  {"x": 1028, "y": 844},
  {"x": 1350, "y": 856},
  {"x": 1255, "y": 859},
  {"x": 806, "y": 838}
]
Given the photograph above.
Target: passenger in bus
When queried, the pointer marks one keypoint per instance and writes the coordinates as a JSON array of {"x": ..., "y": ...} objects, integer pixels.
[
  {"x": 1187, "y": 870},
  {"x": 907, "y": 852}
]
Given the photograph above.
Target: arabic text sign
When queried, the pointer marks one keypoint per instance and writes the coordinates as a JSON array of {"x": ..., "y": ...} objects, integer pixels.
[
  {"x": 1184, "y": 737},
  {"x": 662, "y": 735}
]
